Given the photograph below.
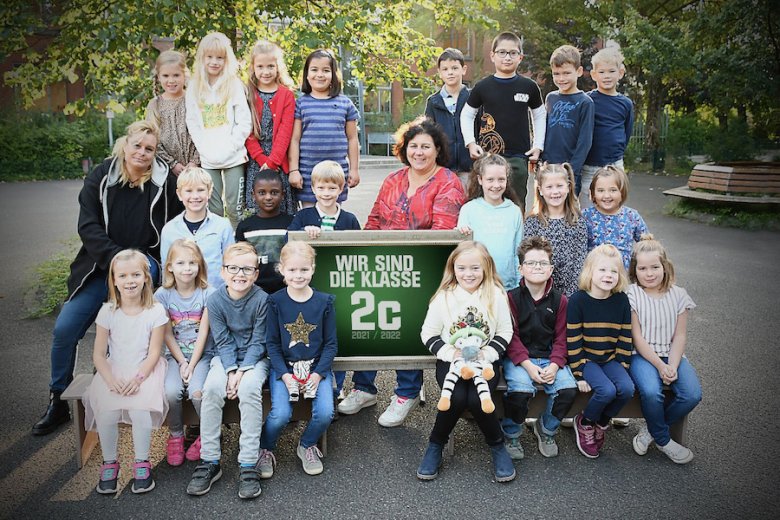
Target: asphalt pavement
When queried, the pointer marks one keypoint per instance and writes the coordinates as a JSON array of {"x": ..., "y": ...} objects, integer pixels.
[{"x": 370, "y": 471}]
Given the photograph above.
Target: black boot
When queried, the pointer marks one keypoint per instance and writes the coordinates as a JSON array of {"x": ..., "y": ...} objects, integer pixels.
[{"x": 56, "y": 414}]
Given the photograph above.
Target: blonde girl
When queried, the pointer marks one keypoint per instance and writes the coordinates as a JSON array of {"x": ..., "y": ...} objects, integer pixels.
[
  {"x": 183, "y": 295},
  {"x": 325, "y": 127},
  {"x": 493, "y": 214},
  {"x": 556, "y": 217},
  {"x": 168, "y": 111},
  {"x": 470, "y": 301},
  {"x": 599, "y": 343},
  {"x": 659, "y": 321},
  {"x": 306, "y": 359},
  {"x": 272, "y": 104},
  {"x": 608, "y": 220},
  {"x": 219, "y": 122},
  {"x": 128, "y": 385}
]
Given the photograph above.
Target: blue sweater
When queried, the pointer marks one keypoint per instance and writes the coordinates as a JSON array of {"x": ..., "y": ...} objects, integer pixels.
[
  {"x": 435, "y": 109},
  {"x": 613, "y": 120},
  {"x": 569, "y": 129},
  {"x": 313, "y": 320},
  {"x": 311, "y": 217}
]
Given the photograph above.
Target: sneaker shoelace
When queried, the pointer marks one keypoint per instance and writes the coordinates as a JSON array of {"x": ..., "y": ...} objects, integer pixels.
[
  {"x": 267, "y": 457},
  {"x": 108, "y": 473},
  {"x": 141, "y": 472},
  {"x": 310, "y": 454},
  {"x": 401, "y": 400}
]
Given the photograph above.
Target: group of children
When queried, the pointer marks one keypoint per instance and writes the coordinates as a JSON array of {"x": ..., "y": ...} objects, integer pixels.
[{"x": 545, "y": 309}]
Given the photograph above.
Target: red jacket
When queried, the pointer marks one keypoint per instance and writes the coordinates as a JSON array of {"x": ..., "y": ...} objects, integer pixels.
[{"x": 283, "y": 114}]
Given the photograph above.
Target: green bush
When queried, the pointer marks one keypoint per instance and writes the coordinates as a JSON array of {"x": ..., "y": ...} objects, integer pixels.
[
  {"x": 688, "y": 135},
  {"x": 735, "y": 143}
]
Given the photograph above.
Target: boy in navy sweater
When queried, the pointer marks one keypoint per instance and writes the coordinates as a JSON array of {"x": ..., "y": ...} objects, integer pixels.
[{"x": 613, "y": 119}]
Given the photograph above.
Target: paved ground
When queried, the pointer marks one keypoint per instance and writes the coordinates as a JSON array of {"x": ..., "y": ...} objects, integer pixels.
[{"x": 731, "y": 274}]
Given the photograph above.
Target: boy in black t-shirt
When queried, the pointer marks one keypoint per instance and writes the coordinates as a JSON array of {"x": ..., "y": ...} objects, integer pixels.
[
  {"x": 505, "y": 99},
  {"x": 267, "y": 229}
]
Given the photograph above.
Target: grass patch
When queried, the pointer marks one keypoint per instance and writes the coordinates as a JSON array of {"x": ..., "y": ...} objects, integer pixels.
[
  {"x": 49, "y": 289},
  {"x": 723, "y": 214}
]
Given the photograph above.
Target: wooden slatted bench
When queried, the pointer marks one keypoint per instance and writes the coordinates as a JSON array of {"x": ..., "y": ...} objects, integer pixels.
[{"x": 737, "y": 177}]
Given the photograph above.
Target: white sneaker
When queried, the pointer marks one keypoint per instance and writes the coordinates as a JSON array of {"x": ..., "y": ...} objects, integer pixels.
[
  {"x": 642, "y": 441},
  {"x": 677, "y": 452},
  {"x": 619, "y": 422},
  {"x": 356, "y": 401},
  {"x": 567, "y": 422},
  {"x": 397, "y": 411}
]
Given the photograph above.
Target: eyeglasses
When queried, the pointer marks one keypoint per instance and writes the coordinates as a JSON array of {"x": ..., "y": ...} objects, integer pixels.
[
  {"x": 247, "y": 270},
  {"x": 544, "y": 264},
  {"x": 501, "y": 53}
]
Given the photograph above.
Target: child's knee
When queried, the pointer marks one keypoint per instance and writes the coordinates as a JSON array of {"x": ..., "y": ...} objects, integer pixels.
[{"x": 516, "y": 405}]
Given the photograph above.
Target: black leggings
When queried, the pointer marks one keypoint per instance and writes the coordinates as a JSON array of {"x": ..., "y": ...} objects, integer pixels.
[{"x": 464, "y": 397}]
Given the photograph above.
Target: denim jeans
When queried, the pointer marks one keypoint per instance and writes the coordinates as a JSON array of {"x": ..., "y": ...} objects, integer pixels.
[
  {"x": 228, "y": 182},
  {"x": 612, "y": 389},
  {"x": 658, "y": 414},
  {"x": 281, "y": 412},
  {"x": 250, "y": 404},
  {"x": 518, "y": 380},
  {"x": 175, "y": 390},
  {"x": 586, "y": 179},
  {"x": 408, "y": 382}
]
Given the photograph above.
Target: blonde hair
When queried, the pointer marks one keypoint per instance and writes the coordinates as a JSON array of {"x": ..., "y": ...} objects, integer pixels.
[
  {"x": 566, "y": 54},
  {"x": 147, "y": 293},
  {"x": 296, "y": 247},
  {"x": 138, "y": 129},
  {"x": 571, "y": 206},
  {"x": 238, "y": 249},
  {"x": 165, "y": 58},
  {"x": 220, "y": 44},
  {"x": 194, "y": 176},
  {"x": 621, "y": 179},
  {"x": 608, "y": 55},
  {"x": 282, "y": 78},
  {"x": 478, "y": 170},
  {"x": 181, "y": 245},
  {"x": 490, "y": 277},
  {"x": 649, "y": 245},
  {"x": 607, "y": 251},
  {"x": 327, "y": 171}
]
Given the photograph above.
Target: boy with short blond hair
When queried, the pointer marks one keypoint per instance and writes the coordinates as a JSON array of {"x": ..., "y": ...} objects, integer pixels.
[
  {"x": 569, "y": 114},
  {"x": 212, "y": 233},
  {"x": 327, "y": 182},
  {"x": 506, "y": 98},
  {"x": 237, "y": 320},
  {"x": 446, "y": 105},
  {"x": 614, "y": 118}
]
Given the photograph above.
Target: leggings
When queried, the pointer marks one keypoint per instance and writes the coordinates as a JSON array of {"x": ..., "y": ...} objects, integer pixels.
[{"x": 108, "y": 431}]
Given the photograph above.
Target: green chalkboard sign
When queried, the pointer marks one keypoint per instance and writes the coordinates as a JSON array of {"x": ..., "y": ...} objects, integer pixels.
[{"x": 383, "y": 281}]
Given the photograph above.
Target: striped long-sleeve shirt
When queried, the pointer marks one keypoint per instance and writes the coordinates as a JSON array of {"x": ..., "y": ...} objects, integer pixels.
[{"x": 598, "y": 330}]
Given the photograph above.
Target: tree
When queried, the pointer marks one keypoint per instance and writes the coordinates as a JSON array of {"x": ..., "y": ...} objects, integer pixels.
[{"x": 110, "y": 47}]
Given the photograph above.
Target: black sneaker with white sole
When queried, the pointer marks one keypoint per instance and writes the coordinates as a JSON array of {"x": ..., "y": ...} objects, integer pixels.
[{"x": 204, "y": 476}]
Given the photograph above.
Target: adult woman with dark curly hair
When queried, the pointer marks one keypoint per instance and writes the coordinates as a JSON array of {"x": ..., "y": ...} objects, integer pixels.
[{"x": 421, "y": 195}]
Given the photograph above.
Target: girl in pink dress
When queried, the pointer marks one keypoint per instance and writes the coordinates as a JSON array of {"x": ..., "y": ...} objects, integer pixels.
[{"x": 128, "y": 386}]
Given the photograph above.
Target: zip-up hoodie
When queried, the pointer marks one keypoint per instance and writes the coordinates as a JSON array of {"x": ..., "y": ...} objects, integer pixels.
[
  {"x": 435, "y": 109},
  {"x": 100, "y": 191}
]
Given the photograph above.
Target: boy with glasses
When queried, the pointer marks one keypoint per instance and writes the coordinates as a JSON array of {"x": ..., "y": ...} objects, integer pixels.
[
  {"x": 537, "y": 352},
  {"x": 505, "y": 98},
  {"x": 237, "y": 319}
]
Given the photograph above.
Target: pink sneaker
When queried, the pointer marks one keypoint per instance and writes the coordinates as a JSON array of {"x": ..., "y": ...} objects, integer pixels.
[
  {"x": 193, "y": 452},
  {"x": 599, "y": 435},
  {"x": 586, "y": 441},
  {"x": 175, "y": 451}
]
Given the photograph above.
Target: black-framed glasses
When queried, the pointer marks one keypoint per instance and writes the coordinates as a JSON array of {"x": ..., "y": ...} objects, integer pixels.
[
  {"x": 544, "y": 264},
  {"x": 247, "y": 270},
  {"x": 501, "y": 53}
]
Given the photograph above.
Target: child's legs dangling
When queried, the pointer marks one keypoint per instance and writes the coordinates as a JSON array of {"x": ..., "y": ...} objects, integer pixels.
[
  {"x": 560, "y": 397},
  {"x": 142, "y": 433},
  {"x": 107, "y": 424},
  {"x": 519, "y": 391},
  {"x": 214, "y": 395},
  {"x": 250, "y": 404},
  {"x": 488, "y": 422},
  {"x": 624, "y": 389},
  {"x": 279, "y": 415},
  {"x": 197, "y": 380},
  {"x": 603, "y": 391},
  {"x": 321, "y": 413},
  {"x": 445, "y": 421},
  {"x": 174, "y": 391},
  {"x": 687, "y": 393}
]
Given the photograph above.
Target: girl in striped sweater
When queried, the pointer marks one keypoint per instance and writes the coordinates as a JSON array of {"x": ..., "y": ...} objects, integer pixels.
[{"x": 599, "y": 343}]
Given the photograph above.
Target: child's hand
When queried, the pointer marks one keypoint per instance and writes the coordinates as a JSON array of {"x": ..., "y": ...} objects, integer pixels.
[
  {"x": 313, "y": 231},
  {"x": 475, "y": 151},
  {"x": 184, "y": 370},
  {"x": 668, "y": 374},
  {"x": 314, "y": 380},
  {"x": 288, "y": 379},
  {"x": 116, "y": 385},
  {"x": 536, "y": 373},
  {"x": 234, "y": 378},
  {"x": 353, "y": 178},
  {"x": 177, "y": 169},
  {"x": 296, "y": 179},
  {"x": 548, "y": 373},
  {"x": 583, "y": 386},
  {"x": 464, "y": 230},
  {"x": 533, "y": 154}
]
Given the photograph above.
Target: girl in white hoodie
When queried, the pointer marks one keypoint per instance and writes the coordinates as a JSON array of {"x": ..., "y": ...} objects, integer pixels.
[{"x": 219, "y": 122}]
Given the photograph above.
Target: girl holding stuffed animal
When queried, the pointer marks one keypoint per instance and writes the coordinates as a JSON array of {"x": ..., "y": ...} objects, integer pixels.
[
  {"x": 128, "y": 385},
  {"x": 470, "y": 302},
  {"x": 659, "y": 319},
  {"x": 301, "y": 343}
]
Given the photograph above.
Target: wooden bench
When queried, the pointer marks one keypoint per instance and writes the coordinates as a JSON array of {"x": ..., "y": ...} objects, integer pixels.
[
  {"x": 737, "y": 177},
  {"x": 85, "y": 441}
]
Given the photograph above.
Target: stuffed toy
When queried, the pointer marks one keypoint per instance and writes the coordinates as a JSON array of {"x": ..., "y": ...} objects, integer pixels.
[
  {"x": 468, "y": 366},
  {"x": 301, "y": 380}
]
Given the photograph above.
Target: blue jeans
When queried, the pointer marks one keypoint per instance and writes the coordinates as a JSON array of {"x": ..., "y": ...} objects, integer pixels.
[
  {"x": 612, "y": 389},
  {"x": 281, "y": 412},
  {"x": 408, "y": 382},
  {"x": 658, "y": 414},
  {"x": 518, "y": 380},
  {"x": 76, "y": 316}
]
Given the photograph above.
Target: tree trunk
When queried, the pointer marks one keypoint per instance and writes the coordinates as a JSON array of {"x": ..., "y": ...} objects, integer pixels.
[{"x": 655, "y": 105}]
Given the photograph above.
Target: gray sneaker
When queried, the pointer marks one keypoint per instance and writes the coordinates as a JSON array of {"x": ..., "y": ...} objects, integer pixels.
[
  {"x": 205, "y": 474},
  {"x": 514, "y": 448},
  {"x": 310, "y": 457},
  {"x": 248, "y": 483},
  {"x": 567, "y": 422},
  {"x": 356, "y": 401},
  {"x": 266, "y": 463},
  {"x": 677, "y": 452},
  {"x": 642, "y": 441},
  {"x": 547, "y": 446}
]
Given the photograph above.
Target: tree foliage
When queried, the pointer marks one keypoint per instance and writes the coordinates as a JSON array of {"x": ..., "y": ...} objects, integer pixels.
[{"x": 110, "y": 45}]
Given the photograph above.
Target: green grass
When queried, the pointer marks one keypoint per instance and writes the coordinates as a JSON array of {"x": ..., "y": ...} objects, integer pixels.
[
  {"x": 48, "y": 288},
  {"x": 735, "y": 216}
]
